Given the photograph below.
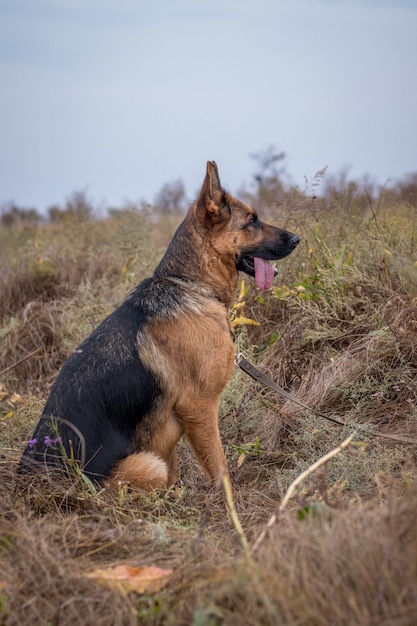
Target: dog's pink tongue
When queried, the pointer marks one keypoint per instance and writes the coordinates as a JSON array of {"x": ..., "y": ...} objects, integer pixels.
[{"x": 264, "y": 273}]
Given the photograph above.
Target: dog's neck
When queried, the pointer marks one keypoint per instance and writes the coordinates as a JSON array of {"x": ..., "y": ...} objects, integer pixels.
[
  {"x": 204, "y": 291},
  {"x": 184, "y": 260}
]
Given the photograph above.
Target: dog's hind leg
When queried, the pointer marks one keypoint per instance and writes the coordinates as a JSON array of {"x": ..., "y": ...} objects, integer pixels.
[
  {"x": 142, "y": 470},
  {"x": 164, "y": 441}
]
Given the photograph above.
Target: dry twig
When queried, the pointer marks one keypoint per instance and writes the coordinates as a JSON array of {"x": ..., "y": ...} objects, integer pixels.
[{"x": 312, "y": 468}]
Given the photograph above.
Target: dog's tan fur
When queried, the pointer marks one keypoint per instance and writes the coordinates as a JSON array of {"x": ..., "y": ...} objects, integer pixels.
[{"x": 193, "y": 358}]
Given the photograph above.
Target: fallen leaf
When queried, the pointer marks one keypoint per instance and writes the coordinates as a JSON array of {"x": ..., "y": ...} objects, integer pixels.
[
  {"x": 126, "y": 578},
  {"x": 16, "y": 398},
  {"x": 3, "y": 392},
  {"x": 7, "y": 416},
  {"x": 242, "y": 457}
]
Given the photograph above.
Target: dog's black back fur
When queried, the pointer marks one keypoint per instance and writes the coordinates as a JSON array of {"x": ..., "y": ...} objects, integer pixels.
[{"x": 103, "y": 389}]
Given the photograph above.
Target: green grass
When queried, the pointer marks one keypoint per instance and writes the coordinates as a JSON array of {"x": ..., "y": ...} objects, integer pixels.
[{"x": 338, "y": 331}]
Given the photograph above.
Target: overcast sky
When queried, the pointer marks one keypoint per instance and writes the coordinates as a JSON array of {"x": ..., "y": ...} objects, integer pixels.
[{"x": 118, "y": 97}]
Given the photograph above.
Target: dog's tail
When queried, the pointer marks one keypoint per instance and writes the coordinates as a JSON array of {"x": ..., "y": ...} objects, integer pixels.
[{"x": 142, "y": 470}]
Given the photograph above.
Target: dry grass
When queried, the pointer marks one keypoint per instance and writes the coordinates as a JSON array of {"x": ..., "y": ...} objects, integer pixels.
[
  {"x": 337, "y": 568},
  {"x": 339, "y": 332}
]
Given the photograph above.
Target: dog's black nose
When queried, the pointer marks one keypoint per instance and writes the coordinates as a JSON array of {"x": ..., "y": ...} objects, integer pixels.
[{"x": 294, "y": 240}]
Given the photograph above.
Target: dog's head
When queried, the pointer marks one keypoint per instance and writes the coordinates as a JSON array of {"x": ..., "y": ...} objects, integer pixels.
[{"x": 236, "y": 231}]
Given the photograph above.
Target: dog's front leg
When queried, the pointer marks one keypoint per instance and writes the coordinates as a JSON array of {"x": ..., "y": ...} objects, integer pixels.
[
  {"x": 202, "y": 431},
  {"x": 172, "y": 463}
]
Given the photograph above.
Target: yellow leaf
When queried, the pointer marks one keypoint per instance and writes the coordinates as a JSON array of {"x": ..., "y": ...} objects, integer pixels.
[
  {"x": 242, "y": 289},
  {"x": 125, "y": 578},
  {"x": 7, "y": 416},
  {"x": 240, "y": 321},
  {"x": 241, "y": 458}
]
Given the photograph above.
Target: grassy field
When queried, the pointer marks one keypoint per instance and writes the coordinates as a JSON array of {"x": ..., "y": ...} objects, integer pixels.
[{"x": 338, "y": 331}]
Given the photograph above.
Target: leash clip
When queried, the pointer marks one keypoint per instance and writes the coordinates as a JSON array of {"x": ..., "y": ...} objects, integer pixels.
[{"x": 238, "y": 359}]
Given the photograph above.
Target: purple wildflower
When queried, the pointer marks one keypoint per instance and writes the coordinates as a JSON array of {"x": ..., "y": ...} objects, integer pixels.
[
  {"x": 48, "y": 441},
  {"x": 31, "y": 444}
]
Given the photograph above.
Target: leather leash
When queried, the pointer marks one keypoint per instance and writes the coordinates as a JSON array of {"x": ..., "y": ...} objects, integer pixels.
[{"x": 246, "y": 366}]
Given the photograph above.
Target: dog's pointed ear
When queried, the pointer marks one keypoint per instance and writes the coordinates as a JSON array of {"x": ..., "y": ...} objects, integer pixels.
[
  {"x": 212, "y": 204},
  {"x": 213, "y": 177}
]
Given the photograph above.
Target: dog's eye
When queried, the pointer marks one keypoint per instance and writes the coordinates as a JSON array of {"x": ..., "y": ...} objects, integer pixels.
[{"x": 253, "y": 220}]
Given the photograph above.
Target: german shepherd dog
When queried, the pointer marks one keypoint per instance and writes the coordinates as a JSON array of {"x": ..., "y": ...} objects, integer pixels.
[{"x": 154, "y": 370}]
